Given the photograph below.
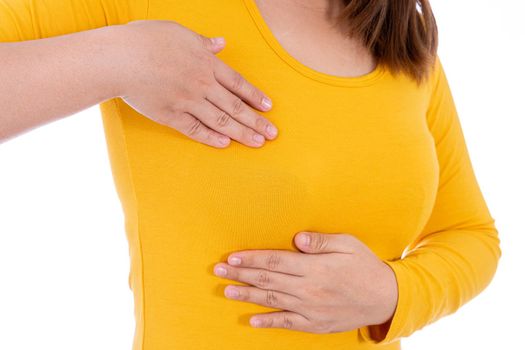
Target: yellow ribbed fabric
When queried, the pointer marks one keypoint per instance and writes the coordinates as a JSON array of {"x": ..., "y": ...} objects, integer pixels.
[{"x": 374, "y": 156}]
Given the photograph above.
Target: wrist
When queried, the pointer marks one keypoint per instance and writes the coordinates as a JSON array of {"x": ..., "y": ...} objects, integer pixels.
[
  {"x": 391, "y": 295},
  {"x": 116, "y": 60}
]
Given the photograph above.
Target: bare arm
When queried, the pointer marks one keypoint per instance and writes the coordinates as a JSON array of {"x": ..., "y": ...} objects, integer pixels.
[
  {"x": 164, "y": 70},
  {"x": 47, "y": 79}
]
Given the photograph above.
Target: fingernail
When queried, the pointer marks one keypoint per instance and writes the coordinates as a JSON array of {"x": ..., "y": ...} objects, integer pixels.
[
  {"x": 221, "y": 271},
  {"x": 267, "y": 103},
  {"x": 305, "y": 239},
  {"x": 255, "y": 322},
  {"x": 271, "y": 130},
  {"x": 218, "y": 41},
  {"x": 258, "y": 138},
  {"x": 232, "y": 292},
  {"x": 224, "y": 140},
  {"x": 234, "y": 260}
]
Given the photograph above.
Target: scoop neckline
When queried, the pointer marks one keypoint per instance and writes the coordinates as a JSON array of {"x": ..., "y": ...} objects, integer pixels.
[{"x": 271, "y": 40}]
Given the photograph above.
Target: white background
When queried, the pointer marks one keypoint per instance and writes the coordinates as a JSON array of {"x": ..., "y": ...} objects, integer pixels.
[{"x": 63, "y": 253}]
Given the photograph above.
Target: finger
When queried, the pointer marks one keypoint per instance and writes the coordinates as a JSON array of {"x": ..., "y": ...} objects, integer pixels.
[
  {"x": 284, "y": 261},
  {"x": 282, "y": 319},
  {"x": 235, "y": 82},
  {"x": 214, "y": 45},
  {"x": 234, "y": 106},
  {"x": 192, "y": 127},
  {"x": 221, "y": 121},
  {"x": 262, "y": 279},
  {"x": 270, "y": 298},
  {"x": 328, "y": 242}
]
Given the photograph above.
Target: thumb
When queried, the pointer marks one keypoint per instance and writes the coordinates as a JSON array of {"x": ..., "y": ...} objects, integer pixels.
[
  {"x": 214, "y": 44},
  {"x": 316, "y": 242}
]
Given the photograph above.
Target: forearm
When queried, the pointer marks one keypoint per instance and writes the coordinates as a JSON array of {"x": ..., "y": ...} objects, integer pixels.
[{"x": 47, "y": 79}]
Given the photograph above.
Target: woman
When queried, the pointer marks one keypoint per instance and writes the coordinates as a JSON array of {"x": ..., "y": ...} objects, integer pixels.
[{"x": 370, "y": 163}]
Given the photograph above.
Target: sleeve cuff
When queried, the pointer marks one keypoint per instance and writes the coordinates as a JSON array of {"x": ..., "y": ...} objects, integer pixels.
[{"x": 393, "y": 329}]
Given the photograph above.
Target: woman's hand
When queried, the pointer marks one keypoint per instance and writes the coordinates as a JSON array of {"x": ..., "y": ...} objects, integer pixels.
[
  {"x": 339, "y": 285},
  {"x": 171, "y": 75}
]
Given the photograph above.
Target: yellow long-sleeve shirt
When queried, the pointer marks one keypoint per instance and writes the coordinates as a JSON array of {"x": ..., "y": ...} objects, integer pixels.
[{"x": 373, "y": 156}]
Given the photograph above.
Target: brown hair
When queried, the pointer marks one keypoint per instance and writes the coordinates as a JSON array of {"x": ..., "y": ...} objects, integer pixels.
[{"x": 397, "y": 34}]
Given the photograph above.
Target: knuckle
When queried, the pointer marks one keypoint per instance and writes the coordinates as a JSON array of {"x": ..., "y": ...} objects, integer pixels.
[
  {"x": 186, "y": 92},
  {"x": 195, "y": 127},
  {"x": 223, "y": 118},
  {"x": 202, "y": 39},
  {"x": 237, "y": 107},
  {"x": 287, "y": 322},
  {"x": 238, "y": 81},
  {"x": 170, "y": 114},
  {"x": 260, "y": 122},
  {"x": 182, "y": 103},
  {"x": 271, "y": 298},
  {"x": 244, "y": 294},
  {"x": 263, "y": 279},
  {"x": 319, "y": 242},
  {"x": 203, "y": 82},
  {"x": 315, "y": 291},
  {"x": 273, "y": 261},
  {"x": 209, "y": 137},
  {"x": 173, "y": 109},
  {"x": 254, "y": 94}
]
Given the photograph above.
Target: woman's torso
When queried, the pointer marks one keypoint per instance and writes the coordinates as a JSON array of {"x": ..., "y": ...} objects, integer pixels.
[{"x": 353, "y": 155}]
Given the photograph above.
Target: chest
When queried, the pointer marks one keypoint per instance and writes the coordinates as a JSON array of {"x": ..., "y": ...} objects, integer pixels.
[
  {"x": 347, "y": 159},
  {"x": 311, "y": 35}
]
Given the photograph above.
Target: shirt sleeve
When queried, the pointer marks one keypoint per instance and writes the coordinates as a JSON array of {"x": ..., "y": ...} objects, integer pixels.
[
  {"x": 456, "y": 255},
  {"x": 29, "y": 19}
]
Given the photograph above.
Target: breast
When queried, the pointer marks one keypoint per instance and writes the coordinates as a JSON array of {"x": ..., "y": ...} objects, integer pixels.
[
  {"x": 359, "y": 160},
  {"x": 354, "y": 161}
]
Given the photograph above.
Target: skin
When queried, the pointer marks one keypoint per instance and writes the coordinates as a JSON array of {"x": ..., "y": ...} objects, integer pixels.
[
  {"x": 336, "y": 283},
  {"x": 307, "y": 30},
  {"x": 163, "y": 70}
]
